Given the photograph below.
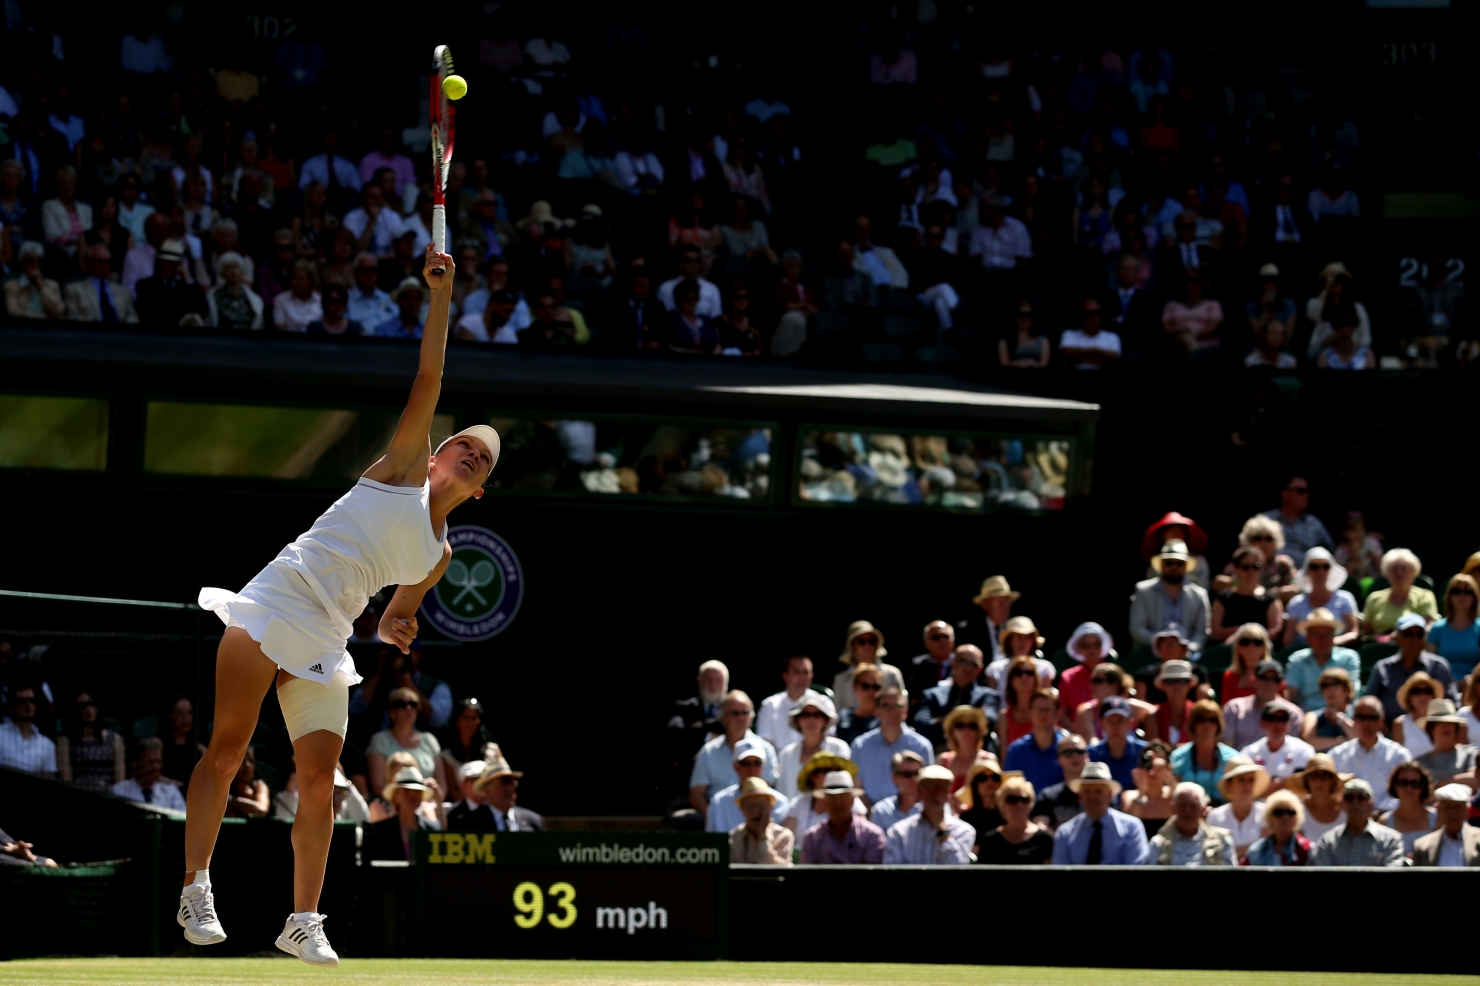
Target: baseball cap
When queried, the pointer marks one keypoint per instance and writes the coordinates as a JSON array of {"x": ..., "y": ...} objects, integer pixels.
[
  {"x": 748, "y": 748},
  {"x": 1357, "y": 786},
  {"x": 1268, "y": 665},
  {"x": 1114, "y": 705},
  {"x": 1411, "y": 620},
  {"x": 1272, "y": 709},
  {"x": 1454, "y": 792}
]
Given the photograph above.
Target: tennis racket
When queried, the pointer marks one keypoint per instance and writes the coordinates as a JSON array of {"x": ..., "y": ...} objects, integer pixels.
[{"x": 442, "y": 134}]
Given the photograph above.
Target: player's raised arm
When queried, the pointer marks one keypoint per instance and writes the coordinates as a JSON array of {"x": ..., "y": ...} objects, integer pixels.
[{"x": 405, "y": 462}]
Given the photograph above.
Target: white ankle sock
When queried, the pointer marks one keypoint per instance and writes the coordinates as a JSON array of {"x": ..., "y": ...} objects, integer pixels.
[
  {"x": 303, "y": 916},
  {"x": 202, "y": 878}
]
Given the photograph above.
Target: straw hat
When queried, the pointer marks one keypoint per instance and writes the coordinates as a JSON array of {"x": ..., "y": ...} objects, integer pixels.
[
  {"x": 406, "y": 779},
  {"x": 985, "y": 764},
  {"x": 1095, "y": 773},
  {"x": 1174, "y": 550},
  {"x": 841, "y": 782},
  {"x": 1334, "y": 580},
  {"x": 1440, "y": 710},
  {"x": 408, "y": 284},
  {"x": 1319, "y": 617},
  {"x": 1151, "y": 541},
  {"x": 1175, "y": 671},
  {"x": 857, "y": 629},
  {"x": 963, "y": 712},
  {"x": 1418, "y": 678},
  {"x": 497, "y": 767},
  {"x": 1018, "y": 624},
  {"x": 935, "y": 772},
  {"x": 1320, "y": 763},
  {"x": 756, "y": 787},
  {"x": 541, "y": 212},
  {"x": 818, "y": 701},
  {"x": 994, "y": 586},
  {"x": 1239, "y": 766},
  {"x": 829, "y": 762}
]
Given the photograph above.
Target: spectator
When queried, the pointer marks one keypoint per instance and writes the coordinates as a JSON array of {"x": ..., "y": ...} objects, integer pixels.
[
  {"x": 929, "y": 669},
  {"x": 248, "y": 795},
  {"x": 13, "y": 852},
  {"x": 959, "y": 691},
  {"x": 406, "y": 260},
  {"x": 224, "y": 239},
  {"x": 1151, "y": 800},
  {"x": 1412, "y": 786},
  {"x": 402, "y": 707},
  {"x": 1336, "y": 297},
  {"x": 391, "y": 838},
  {"x": 387, "y": 154},
  {"x": 965, "y": 729},
  {"x": 1408, "y": 680},
  {"x": 797, "y": 303},
  {"x": 499, "y": 785},
  {"x": 97, "y": 298},
  {"x": 336, "y": 321},
  {"x": 18, "y": 213},
  {"x": 1177, "y": 680},
  {"x": 635, "y": 320},
  {"x": 746, "y": 239},
  {"x": 148, "y": 787},
  {"x": 1332, "y": 199},
  {"x": 337, "y": 174},
  {"x": 1018, "y": 840},
  {"x": 1454, "y": 843},
  {"x": 700, "y": 714},
  {"x": 1195, "y": 322},
  {"x": 1091, "y": 646},
  {"x": 844, "y": 837},
  {"x": 1272, "y": 309},
  {"x": 1166, "y": 600},
  {"x": 1278, "y": 752},
  {"x": 1090, "y": 347},
  {"x": 1319, "y": 788},
  {"x": 1381, "y": 612},
  {"x": 1119, "y": 749},
  {"x": 1244, "y": 714},
  {"x": 293, "y": 310},
  {"x": 1344, "y": 352},
  {"x": 1019, "y": 637},
  {"x": 738, "y": 335},
  {"x": 713, "y": 766},
  {"x": 553, "y": 328},
  {"x": 811, "y": 719},
  {"x": 977, "y": 798},
  {"x": 807, "y": 808},
  {"x": 466, "y": 739},
  {"x": 1269, "y": 349},
  {"x": 89, "y": 755},
  {"x": 1201, "y": 761},
  {"x": 167, "y": 298},
  {"x": 374, "y": 224},
  {"x": 471, "y": 814},
  {"x": 709, "y": 302},
  {"x": 132, "y": 212},
  {"x": 1100, "y": 835},
  {"x": 368, "y": 304},
  {"x": 904, "y": 769},
  {"x": 64, "y": 219},
  {"x": 1319, "y": 572},
  {"x": 408, "y": 298},
  {"x": 1330, "y": 726},
  {"x": 879, "y": 264},
  {"x": 106, "y": 233},
  {"x": 1359, "y": 551},
  {"x": 1251, "y": 647},
  {"x": 758, "y": 839},
  {"x": 1246, "y": 603},
  {"x": 1308, "y": 665},
  {"x": 194, "y": 203},
  {"x": 1361, "y": 841},
  {"x": 1448, "y": 759},
  {"x": 1057, "y": 803},
  {"x": 231, "y": 304},
  {"x": 984, "y": 629},
  {"x": 688, "y": 330},
  {"x": 1188, "y": 840},
  {"x": 874, "y": 750},
  {"x": 1029, "y": 348},
  {"x": 931, "y": 836},
  {"x": 864, "y": 644},
  {"x": 1000, "y": 243},
  {"x": 1371, "y": 756},
  {"x": 1284, "y": 845},
  {"x": 1020, "y": 682},
  {"x": 1241, "y": 814},
  {"x": 181, "y": 750},
  {"x": 1456, "y": 636},
  {"x": 22, "y": 745},
  {"x": 724, "y": 811},
  {"x": 32, "y": 294},
  {"x": 854, "y": 722},
  {"x": 1036, "y": 753},
  {"x": 1106, "y": 680}
]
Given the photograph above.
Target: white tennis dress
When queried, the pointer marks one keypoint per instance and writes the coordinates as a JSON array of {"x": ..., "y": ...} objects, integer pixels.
[{"x": 301, "y": 608}]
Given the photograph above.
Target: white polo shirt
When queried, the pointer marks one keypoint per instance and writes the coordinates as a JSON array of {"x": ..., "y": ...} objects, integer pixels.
[{"x": 1292, "y": 756}]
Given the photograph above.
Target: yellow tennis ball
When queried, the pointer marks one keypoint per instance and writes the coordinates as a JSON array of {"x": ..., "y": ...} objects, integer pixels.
[{"x": 455, "y": 86}]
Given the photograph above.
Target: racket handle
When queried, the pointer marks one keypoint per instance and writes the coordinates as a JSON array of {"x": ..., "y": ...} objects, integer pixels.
[{"x": 439, "y": 231}]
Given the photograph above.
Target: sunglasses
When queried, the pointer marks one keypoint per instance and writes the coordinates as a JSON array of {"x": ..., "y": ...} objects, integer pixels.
[
  {"x": 1461, "y": 590},
  {"x": 1408, "y": 782},
  {"x": 1273, "y": 680},
  {"x": 1283, "y": 812},
  {"x": 1356, "y": 797},
  {"x": 966, "y": 725},
  {"x": 866, "y": 641},
  {"x": 1250, "y": 568},
  {"x": 1321, "y": 567},
  {"x": 811, "y": 715},
  {"x": 1016, "y": 799},
  {"x": 907, "y": 773},
  {"x": 403, "y": 704},
  {"x": 739, "y": 713},
  {"x": 1420, "y": 691},
  {"x": 1262, "y": 537},
  {"x": 1251, "y": 642},
  {"x": 867, "y": 686},
  {"x": 1282, "y": 717},
  {"x": 890, "y": 708},
  {"x": 1073, "y": 753},
  {"x": 1412, "y": 634},
  {"x": 1367, "y": 717},
  {"x": 1024, "y": 673}
]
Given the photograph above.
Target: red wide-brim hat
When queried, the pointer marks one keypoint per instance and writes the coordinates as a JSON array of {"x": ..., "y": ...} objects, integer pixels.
[{"x": 1197, "y": 538}]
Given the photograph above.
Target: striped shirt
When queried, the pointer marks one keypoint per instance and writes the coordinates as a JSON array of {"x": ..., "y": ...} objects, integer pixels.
[
  {"x": 1375, "y": 845},
  {"x": 35, "y": 754},
  {"x": 917, "y": 841}
]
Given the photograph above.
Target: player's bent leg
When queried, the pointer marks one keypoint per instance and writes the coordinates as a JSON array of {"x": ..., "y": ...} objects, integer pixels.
[{"x": 243, "y": 675}]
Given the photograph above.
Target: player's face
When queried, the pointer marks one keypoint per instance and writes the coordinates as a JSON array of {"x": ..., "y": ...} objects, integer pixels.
[{"x": 465, "y": 462}]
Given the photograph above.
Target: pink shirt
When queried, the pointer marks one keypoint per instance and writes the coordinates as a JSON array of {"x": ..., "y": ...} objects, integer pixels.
[
  {"x": 398, "y": 163},
  {"x": 1198, "y": 325}
]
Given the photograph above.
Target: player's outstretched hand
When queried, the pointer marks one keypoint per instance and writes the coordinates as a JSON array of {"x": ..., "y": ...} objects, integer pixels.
[
  {"x": 435, "y": 260},
  {"x": 399, "y": 633}
]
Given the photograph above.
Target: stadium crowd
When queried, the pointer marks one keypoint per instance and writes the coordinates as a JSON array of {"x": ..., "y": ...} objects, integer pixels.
[
  {"x": 1310, "y": 702},
  {"x": 1003, "y": 205}
]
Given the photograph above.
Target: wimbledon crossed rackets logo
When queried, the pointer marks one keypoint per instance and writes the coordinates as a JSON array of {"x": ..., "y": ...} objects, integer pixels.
[{"x": 480, "y": 593}]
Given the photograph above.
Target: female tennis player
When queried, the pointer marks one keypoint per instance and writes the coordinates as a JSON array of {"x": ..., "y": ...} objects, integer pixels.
[{"x": 289, "y": 626}]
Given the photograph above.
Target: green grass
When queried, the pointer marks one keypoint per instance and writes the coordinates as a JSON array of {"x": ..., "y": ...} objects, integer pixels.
[{"x": 492, "y": 972}]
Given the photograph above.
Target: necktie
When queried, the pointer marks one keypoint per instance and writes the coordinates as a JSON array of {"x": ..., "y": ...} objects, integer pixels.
[
  {"x": 105, "y": 303},
  {"x": 148, "y": 793},
  {"x": 1189, "y": 256},
  {"x": 1096, "y": 845}
]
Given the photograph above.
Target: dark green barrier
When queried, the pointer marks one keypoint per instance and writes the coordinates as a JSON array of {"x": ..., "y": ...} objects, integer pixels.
[{"x": 80, "y": 910}]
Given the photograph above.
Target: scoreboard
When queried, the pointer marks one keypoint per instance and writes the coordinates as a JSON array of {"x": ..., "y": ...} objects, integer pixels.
[{"x": 572, "y": 894}]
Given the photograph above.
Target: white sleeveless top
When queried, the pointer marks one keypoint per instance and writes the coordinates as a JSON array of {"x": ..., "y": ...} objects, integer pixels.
[{"x": 373, "y": 536}]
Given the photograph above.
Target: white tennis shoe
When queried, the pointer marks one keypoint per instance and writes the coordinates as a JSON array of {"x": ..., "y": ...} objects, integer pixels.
[
  {"x": 306, "y": 940},
  {"x": 197, "y": 915}
]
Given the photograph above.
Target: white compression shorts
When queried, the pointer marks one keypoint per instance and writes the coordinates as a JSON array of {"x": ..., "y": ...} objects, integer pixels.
[{"x": 308, "y": 705}]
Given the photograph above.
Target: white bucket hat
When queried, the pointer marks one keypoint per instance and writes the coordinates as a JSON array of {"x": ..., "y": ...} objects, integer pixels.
[{"x": 1335, "y": 580}]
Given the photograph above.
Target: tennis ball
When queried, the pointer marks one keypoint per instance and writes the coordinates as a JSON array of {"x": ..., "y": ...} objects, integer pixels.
[{"x": 455, "y": 86}]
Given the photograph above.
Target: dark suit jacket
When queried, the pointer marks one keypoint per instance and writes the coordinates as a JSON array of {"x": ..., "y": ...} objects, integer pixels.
[
  {"x": 159, "y": 304},
  {"x": 1426, "y": 849},
  {"x": 627, "y": 326},
  {"x": 1170, "y": 269},
  {"x": 921, "y": 675},
  {"x": 1138, "y": 325},
  {"x": 940, "y": 700},
  {"x": 528, "y": 820}
]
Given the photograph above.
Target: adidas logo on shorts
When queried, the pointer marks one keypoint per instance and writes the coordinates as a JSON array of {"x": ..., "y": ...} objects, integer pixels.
[{"x": 317, "y": 669}]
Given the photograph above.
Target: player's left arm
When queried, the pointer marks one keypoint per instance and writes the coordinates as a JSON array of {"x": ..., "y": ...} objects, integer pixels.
[
  {"x": 398, "y": 624},
  {"x": 405, "y": 462}
]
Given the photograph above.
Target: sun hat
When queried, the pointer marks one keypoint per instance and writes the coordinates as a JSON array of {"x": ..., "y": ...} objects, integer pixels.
[
  {"x": 1018, "y": 624},
  {"x": 1441, "y": 710},
  {"x": 1173, "y": 550},
  {"x": 1114, "y": 705},
  {"x": 994, "y": 586},
  {"x": 497, "y": 767},
  {"x": 1411, "y": 620},
  {"x": 472, "y": 770},
  {"x": 1095, "y": 773},
  {"x": 1454, "y": 792},
  {"x": 965, "y": 712},
  {"x": 1320, "y": 763},
  {"x": 541, "y": 212},
  {"x": 935, "y": 772},
  {"x": 756, "y": 787},
  {"x": 1335, "y": 580},
  {"x": 1175, "y": 671},
  {"x": 841, "y": 782},
  {"x": 1414, "y": 680},
  {"x": 1335, "y": 269},
  {"x": 406, "y": 779},
  {"x": 1170, "y": 630},
  {"x": 857, "y": 629},
  {"x": 1319, "y": 617},
  {"x": 830, "y": 762},
  {"x": 814, "y": 700},
  {"x": 1269, "y": 270},
  {"x": 749, "y": 748},
  {"x": 1107, "y": 643},
  {"x": 1197, "y": 538},
  {"x": 1239, "y": 766},
  {"x": 408, "y": 284},
  {"x": 985, "y": 764},
  {"x": 172, "y": 250}
]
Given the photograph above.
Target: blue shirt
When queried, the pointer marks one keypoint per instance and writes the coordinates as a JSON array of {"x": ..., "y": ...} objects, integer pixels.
[
  {"x": 1340, "y": 604},
  {"x": 1121, "y": 766},
  {"x": 714, "y": 765},
  {"x": 872, "y": 755},
  {"x": 1461, "y": 647},
  {"x": 372, "y": 310},
  {"x": 1122, "y": 841},
  {"x": 724, "y": 813},
  {"x": 1186, "y": 769},
  {"x": 1040, "y": 767},
  {"x": 393, "y": 329},
  {"x": 886, "y": 812},
  {"x": 1304, "y": 675}
]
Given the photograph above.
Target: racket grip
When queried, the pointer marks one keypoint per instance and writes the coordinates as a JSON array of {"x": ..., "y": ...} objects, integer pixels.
[{"x": 439, "y": 231}]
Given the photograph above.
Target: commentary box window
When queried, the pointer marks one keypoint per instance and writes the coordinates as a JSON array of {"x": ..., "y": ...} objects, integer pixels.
[{"x": 53, "y": 433}]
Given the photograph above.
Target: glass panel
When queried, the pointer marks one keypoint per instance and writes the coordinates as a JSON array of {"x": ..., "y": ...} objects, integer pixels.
[
  {"x": 634, "y": 457},
  {"x": 966, "y": 473},
  {"x": 53, "y": 432},
  {"x": 268, "y": 442}
]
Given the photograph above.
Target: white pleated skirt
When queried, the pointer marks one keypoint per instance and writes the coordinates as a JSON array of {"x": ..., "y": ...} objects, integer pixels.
[{"x": 280, "y": 612}]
